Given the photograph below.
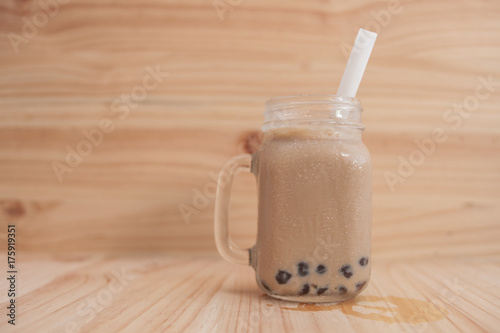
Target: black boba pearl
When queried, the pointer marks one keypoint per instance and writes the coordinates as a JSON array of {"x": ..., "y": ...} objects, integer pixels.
[
  {"x": 321, "y": 269},
  {"x": 282, "y": 277},
  {"x": 321, "y": 290},
  {"x": 304, "y": 290},
  {"x": 363, "y": 261},
  {"x": 346, "y": 270},
  {"x": 360, "y": 285},
  {"x": 342, "y": 290},
  {"x": 303, "y": 269}
]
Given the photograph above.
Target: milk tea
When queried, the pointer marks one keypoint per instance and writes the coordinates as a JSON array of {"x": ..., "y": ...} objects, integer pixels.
[{"x": 314, "y": 221}]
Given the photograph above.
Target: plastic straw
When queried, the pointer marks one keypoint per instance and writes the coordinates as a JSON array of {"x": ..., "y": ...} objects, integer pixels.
[{"x": 357, "y": 63}]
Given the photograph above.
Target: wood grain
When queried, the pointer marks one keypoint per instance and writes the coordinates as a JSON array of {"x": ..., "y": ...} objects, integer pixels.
[
  {"x": 125, "y": 196},
  {"x": 82, "y": 293}
]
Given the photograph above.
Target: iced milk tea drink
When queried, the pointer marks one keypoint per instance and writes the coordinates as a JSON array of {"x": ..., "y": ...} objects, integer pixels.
[{"x": 314, "y": 200}]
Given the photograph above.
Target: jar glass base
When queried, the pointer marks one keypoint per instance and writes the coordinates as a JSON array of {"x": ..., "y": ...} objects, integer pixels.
[{"x": 313, "y": 298}]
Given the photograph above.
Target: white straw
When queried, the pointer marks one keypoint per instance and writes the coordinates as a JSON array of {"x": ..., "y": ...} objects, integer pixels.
[{"x": 357, "y": 63}]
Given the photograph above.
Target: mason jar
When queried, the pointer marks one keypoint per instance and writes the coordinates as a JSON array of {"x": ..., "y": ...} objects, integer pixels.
[{"x": 314, "y": 186}]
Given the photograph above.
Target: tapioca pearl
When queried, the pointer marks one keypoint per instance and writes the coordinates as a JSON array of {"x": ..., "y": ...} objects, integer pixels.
[
  {"x": 360, "y": 285},
  {"x": 346, "y": 270},
  {"x": 342, "y": 290},
  {"x": 303, "y": 269},
  {"x": 321, "y": 269},
  {"x": 282, "y": 277},
  {"x": 321, "y": 290},
  {"x": 305, "y": 290},
  {"x": 265, "y": 286},
  {"x": 363, "y": 261}
]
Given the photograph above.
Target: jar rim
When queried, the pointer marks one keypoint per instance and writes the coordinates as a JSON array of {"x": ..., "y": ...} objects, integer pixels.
[
  {"x": 278, "y": 102},
  {"x": 313, "y": 110}
]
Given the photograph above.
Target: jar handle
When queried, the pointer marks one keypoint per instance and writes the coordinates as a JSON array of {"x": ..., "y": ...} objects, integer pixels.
[{"x": 226, "y": 247}]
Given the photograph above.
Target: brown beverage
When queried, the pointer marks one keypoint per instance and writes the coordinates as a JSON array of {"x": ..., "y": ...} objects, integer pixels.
[
  {"x": 314, "y": 213},
  {"x": 314, "y": 186}
]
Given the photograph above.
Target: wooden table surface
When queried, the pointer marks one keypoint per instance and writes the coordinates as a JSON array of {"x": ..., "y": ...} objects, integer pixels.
[
  {"x": 83, "y": 293},
  {"x": 74, "y": 69}
]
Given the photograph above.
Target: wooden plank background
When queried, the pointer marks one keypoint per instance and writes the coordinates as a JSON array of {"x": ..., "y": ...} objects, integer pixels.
[{"x": 125, "y": 195}]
